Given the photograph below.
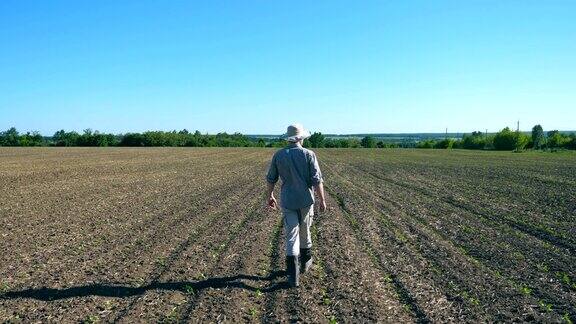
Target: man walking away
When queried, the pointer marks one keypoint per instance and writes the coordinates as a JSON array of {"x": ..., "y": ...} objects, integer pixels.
[{"x": 298, "y": 168}]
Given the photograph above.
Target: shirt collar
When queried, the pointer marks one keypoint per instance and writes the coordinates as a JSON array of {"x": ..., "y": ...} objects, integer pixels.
[{"x": 294, "y": 144}]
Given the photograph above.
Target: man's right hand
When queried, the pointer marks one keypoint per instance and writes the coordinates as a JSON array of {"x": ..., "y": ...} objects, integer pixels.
[
  {"x": 322, "y": 206},
  {"x": 319, "y": 188}
]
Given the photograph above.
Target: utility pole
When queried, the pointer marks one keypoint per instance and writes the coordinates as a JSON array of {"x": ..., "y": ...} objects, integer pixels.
[
  {"x": 446, "y": 136},
  {"x": 518, "y": 136}
]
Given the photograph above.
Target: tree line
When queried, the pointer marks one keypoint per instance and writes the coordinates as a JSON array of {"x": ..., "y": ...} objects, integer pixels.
[
  {"x": 183, "y": 138},
  {"x": 318, "y": 140},
  {"x": 505, "y": 139},
  {"x": 11, "y": 137}
]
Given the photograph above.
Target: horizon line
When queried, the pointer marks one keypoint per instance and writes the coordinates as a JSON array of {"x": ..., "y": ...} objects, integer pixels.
[{"x": 279, "y": 135}]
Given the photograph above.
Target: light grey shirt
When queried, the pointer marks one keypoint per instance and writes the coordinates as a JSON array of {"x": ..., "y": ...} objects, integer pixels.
[{"x": 299, "y": 170}]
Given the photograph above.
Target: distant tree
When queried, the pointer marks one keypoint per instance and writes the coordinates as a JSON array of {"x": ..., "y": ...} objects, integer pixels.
[
  {"x": 552, "y": 133},
  {"x": 444, "y": 144},
  {"x": 522, "y": 141},
  {"x": 58, "y": 138},
  {"x": 354, "y": 143},
  {"x": 475, "y": 141},
  {"x": 132, "y": 139},
  {"x": 556, "y": 139},
  {"x": 277, "y": 143},
  {"x": 192, "y": 141},
  {"x": 384, "y": 144},
  {"x": 368, "y": 142},
  {"x": 427, "y": 144},
  {"x": 37, "y": 138},
  {"x": 31, "y": 139},
  {"x": 343, "y": 143},
  {"x": 24, "y": 140},
  {"x": 457, "y": 144},
  {"x": 86, "y": 138},
  {"x": 330, "y": 143},
  {"x": 316, "y": 140},
  {"x": 113, "y": 140},
  {"x": 63, "y": 138},
  {"x": 208, "y": 141},
  {"x": 195, "y": 140},
  {"x": 571, "y": 144},
  {"x": 10, "y": 137},
  {"x": 155, "y": 138},
  {"x": 537, "y": 137},
  {"x": 507, "y": 140}
]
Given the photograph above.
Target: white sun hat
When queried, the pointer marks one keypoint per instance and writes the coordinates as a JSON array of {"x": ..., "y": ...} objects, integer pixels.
[{"x": 295, "y": 133}]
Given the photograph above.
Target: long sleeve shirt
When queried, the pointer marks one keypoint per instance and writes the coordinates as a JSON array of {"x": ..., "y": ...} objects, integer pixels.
[{"x": 299, "y": 170}]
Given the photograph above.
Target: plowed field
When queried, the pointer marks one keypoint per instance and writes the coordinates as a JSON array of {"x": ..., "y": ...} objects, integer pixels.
[{"x": 165, "y": 235}]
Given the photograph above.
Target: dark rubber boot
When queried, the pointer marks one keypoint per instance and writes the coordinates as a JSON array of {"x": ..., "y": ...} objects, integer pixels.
[
  {"x": 293, "y": 271},
  {"x": 305, "y": 260}
]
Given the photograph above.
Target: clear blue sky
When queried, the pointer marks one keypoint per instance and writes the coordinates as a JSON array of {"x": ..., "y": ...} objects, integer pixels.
[{"x": 255, "y": 66}]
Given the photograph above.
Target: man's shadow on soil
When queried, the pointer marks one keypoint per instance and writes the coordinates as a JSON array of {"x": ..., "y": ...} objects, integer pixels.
[{"x": 191, "y": 287}]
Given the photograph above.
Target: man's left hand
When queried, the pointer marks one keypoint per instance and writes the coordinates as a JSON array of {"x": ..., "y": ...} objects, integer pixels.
[{"x": 272, "y": 203}]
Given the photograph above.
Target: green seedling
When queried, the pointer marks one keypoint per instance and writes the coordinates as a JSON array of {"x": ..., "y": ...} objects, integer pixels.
[
  {"x": 518, "y": 256},
  {"x": 253, "y": 312},
  {"x": 258, "y": 293},
  {"x": 467, "y": 229},
  {"x": 109, "y": 305},
  {"x": 332, "y": 320},
  {"x": 474, "y": 301},
  {"x": 563, "y": 276},
  {"x": 172, "y": 316},
  {"x": 4, "y": 288},
  {"x": 567, "y": 319},
  {"x": 263, "y": 272},
  {"x": 542, "y": 267},
  {"x": 189, "y": 289},
  {"x": 325, "y": 298},
  {"x": 161, "y": 262},
  {"x": 547, "y": 245},
  {"x": 400, "y": 236},
  {"x": 140, "y": 282},
  {"x": 90, "y": 319},
  {"x": 545, "y": 306},
  {"x": 473, "y": 259},
  {"x": 15, "y": 317},
  {"x": 526, "y": 290}
]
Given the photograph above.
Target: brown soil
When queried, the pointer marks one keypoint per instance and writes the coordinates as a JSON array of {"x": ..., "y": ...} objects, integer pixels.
[{"x": 181, "y": 235}]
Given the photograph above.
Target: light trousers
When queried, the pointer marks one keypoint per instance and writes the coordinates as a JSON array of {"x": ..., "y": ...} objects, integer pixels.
[{"x": 297, "y": 229}]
